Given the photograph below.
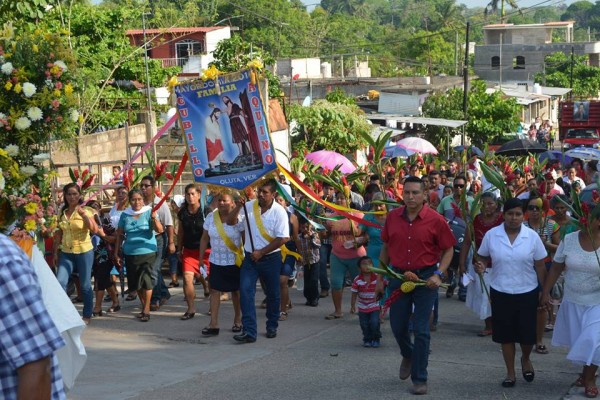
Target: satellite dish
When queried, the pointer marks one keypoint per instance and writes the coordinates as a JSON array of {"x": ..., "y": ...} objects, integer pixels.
[{"x": 306, "y": 102}]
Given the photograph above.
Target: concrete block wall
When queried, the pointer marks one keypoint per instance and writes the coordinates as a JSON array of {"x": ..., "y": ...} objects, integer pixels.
[{"x": 109, "y": 146}]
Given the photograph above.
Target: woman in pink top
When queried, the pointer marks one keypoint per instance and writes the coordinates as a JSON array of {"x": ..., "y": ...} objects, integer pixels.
[{"x": 347, "y": 249}]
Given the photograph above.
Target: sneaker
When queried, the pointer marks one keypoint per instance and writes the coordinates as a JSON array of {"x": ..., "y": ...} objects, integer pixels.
[
  {"x": 324, "y": 293},
  {"x": 375, "y": 343},
  {"x": 367, "y": 343}
]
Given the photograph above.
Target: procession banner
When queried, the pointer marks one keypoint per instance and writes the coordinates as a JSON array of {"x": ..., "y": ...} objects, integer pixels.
[{"x": 226, "y": 131}]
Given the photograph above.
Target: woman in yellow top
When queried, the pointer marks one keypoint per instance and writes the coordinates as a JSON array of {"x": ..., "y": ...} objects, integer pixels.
[{"x": 76, "y": 250}]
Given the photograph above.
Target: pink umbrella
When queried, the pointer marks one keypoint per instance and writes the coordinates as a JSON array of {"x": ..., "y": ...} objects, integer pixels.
[
  {"x": 331, "y": 159},
  {"x": 417, "y": 145}
]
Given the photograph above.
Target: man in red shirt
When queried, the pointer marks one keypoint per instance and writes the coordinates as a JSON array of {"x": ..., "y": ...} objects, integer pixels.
[{"x": 426, "y": 241}]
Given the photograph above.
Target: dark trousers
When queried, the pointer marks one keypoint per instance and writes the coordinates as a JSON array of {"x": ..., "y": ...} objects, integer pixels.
[
  {"x": 324, "y": 253},
  {"x": 311, "y": 282},
  {"x": 369, "y": 323}
]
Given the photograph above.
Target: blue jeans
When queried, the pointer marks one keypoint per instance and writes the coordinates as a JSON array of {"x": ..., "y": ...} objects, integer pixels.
[
  {"x": 160, "y": 290},
  {"x": 369, "y": 323},
  {"x": 423, "y": 299},
  {"x": 173, "y": 261},
  {"x": 82, "y": 264},
  {"x": 324, "y": 253},
  {"x": 268, "y": 269}
]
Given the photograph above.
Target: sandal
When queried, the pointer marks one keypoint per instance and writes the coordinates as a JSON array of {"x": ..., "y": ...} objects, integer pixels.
[
  {"x": 541, "y": 349},
  {"x": 508, "y": 383},
  {"x": 131, "y": 297},
  {"x": 529, "y": 375},
  {"x": 187, "y": 315},
  {"x": 145, "y": 317},
  {"x": 114, "y": 309},
  {"x": 591, "y": 392},
  {"x": 236, "y": 328},
  {"x": 210, "y": 331},
  {"x": 282, "y": 316},
  {"x": 333, "y": 316},
  {"x": 97, "y": 313},
  {"x": 485, "y": 332}
]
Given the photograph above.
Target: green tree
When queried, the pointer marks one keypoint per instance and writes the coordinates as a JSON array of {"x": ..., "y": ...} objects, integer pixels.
[
  {"x": 492, "y": 7},
  {"x": 490, "y": 114},
  {"x": 586, "y": 79},
  {"x": 234, "y": 54},
  {"x": 329, "y": 126}
]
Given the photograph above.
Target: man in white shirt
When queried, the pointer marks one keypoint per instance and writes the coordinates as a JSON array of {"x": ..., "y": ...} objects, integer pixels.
[{"x": 267, "y": 229}]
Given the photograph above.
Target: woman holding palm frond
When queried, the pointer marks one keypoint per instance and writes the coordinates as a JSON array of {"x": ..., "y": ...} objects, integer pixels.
[{"x": 477, "y": 300}]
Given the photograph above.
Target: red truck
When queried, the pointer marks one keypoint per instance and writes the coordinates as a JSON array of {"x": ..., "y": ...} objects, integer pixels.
[{"x": 579, "y": 124}]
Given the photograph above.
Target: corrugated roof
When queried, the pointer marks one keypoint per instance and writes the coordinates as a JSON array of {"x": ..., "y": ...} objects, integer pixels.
[
  {"x": 173, "y": 30},
  {"x": 451, "y": 123},
  {"x": 528, "y": 26}
]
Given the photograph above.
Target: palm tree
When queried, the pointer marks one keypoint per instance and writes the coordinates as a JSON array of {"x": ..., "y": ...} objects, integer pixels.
[{"x": 492, "y": 8}]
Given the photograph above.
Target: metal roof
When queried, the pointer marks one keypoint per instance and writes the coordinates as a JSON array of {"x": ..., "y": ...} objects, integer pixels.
[{"x": 450, "y": 123}]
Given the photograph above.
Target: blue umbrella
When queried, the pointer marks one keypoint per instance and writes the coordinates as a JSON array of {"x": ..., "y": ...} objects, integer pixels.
[
  {"x": 556, "y": 155},
  {"x": 472, "y": 149},
  {"x": 397, "y": 151},
  {"x": 584, "y": 153}
]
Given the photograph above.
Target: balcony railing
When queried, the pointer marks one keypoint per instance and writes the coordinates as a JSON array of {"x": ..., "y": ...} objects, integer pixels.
[{"x": 188, "y": 65}]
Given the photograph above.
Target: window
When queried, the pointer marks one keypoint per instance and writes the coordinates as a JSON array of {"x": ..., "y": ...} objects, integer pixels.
[
  {"x": 495, "y": 62},
  {"x": 519, "y": 62},
  {"x": 186, "y": 48}
]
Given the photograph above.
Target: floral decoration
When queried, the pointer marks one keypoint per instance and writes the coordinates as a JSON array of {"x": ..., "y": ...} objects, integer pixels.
[{"x": 38, "y": 92}]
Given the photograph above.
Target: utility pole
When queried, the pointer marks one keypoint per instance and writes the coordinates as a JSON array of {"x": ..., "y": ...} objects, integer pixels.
[
  {"x": 465, "y": 81},
  {"x": 150, "y": 124},
  {"x": 572, "y": 65},
  {"x": 456, "y": 53}
]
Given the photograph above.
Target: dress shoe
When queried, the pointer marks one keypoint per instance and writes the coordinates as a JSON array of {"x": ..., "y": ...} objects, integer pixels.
[
  {"x": 271, "y": 333},
  {"x": 244, "y": 338},
  {"x": 419, "y": 388},
  {"x": 405, "y": 368}
]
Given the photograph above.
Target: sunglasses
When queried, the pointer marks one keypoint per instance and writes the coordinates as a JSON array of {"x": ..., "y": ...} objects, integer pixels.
[
  {"x": 533, "y": 208},
  {"x": 458, "y": 185}
]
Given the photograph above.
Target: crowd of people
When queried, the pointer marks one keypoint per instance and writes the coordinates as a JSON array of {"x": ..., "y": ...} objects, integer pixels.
[{"x": 523, "y": 264}]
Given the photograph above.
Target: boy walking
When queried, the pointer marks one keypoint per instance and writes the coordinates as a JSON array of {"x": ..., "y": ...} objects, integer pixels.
[
  {"x": 363, "y": 289},
  {"x": 309, "y": 244}
]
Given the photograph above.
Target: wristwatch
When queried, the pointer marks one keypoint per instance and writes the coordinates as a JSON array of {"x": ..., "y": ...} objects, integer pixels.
[{"x": 440, "y": 274}]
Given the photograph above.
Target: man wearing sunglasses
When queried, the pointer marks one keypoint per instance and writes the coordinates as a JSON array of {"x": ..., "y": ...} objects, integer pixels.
[{"x": 450, "y": 204}]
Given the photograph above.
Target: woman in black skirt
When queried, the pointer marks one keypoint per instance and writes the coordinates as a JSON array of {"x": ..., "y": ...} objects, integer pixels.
[
  {"x": 518, "y": 254},
  {"x": 225, "y": 240}
]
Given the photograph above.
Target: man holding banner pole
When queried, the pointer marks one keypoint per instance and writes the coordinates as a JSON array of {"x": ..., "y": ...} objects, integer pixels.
[{"x": 267, "y": 230}]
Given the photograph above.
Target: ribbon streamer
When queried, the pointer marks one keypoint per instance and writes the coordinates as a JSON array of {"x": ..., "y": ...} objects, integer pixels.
[
  {"x": 184, "y": 160},
  {"x": 314, "y": 197}
]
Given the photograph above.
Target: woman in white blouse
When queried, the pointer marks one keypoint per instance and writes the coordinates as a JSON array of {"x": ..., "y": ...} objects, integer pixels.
[
  {"x": 225, "y": 241},
  {"x": 518, "y": 254},
  {"x": 578, "y": 321}
]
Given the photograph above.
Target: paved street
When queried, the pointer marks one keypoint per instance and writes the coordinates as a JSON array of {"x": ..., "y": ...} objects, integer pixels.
[{"x": 311, "y": 358}]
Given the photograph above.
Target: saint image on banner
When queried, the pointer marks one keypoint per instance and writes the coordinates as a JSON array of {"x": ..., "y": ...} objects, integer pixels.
[{"x": 225, "y": 130}]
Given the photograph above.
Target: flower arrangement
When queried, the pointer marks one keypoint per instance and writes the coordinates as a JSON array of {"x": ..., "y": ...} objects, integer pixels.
[
  {"x": 25, "y": 201},
  {"x": 38, "y": 93}
]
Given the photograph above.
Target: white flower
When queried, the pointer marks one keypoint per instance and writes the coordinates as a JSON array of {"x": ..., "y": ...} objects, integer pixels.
[
  {"x": 2, "y": 180},
  {"x": 22, "y": 123},
  {"x": 29, "y": 89},
  {"x": 48, "y": 82},
  {"x": 61, "y": 64},
  {"x": 28, "y": 170},
  {"x": 12, "y": 150},
  {"x": 74, "y": 115},
  {"x": 7, "y": 68},
  {"x": 40, "y": 158},
  {"x": 35, "y": 113}
]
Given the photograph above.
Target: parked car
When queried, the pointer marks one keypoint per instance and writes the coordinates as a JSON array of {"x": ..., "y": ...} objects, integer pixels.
[{"x": 499, "y": 140}]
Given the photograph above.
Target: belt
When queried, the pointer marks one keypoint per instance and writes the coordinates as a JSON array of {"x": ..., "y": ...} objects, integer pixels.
[{"x": 416, "y": 271}]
